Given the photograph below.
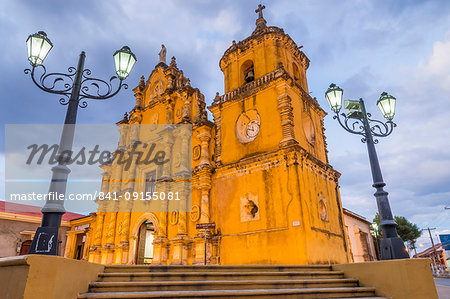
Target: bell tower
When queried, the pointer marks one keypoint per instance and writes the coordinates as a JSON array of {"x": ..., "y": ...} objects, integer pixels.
[
  {"x": 266, "y": 92},
  {"x": 273, "y": 186}
]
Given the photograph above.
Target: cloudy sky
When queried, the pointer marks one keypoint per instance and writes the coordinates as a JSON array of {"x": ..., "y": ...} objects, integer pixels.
[{"x": 366, "y": 47}]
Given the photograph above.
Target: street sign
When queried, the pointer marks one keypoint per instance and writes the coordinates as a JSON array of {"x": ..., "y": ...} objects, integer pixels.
[
  {"x": 205, "y": 225},
  {"x": 445, "y": 241}
]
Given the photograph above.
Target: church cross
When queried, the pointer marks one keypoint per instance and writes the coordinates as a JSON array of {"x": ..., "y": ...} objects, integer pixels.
[{"x": 259, "y": 11}]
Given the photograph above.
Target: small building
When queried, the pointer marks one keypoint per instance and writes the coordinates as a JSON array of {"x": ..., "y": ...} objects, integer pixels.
[
  {"x": 360, "y": 240},
  {"x": 18, "y": 223},
  {"x": 78, "y": 236},
  {"x": 437, "y": 256}
]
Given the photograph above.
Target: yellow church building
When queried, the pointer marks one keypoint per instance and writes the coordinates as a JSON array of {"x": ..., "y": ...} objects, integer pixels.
[{"x": 259, "y": 169}]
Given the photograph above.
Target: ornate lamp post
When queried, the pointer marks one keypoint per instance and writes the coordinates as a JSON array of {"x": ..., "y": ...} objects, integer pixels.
[
  {"x": 358, "y": 121},
  {"x": 75, "y": 87}
]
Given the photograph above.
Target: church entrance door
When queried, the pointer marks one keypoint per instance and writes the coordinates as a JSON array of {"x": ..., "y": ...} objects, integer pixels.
[{"x": 145, "y": 243}]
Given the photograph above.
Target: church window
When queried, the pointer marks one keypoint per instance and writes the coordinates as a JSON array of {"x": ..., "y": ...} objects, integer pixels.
[
  {"x": 150, "y": 182},
  {"x": 296, "y": 73}
]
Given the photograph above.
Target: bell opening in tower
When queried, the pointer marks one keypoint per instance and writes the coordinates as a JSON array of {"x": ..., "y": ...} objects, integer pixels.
[{"x": 248, "y": 71}]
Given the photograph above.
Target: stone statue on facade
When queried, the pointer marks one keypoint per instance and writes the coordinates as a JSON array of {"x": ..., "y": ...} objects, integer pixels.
[{"x": 162, "y": 54}]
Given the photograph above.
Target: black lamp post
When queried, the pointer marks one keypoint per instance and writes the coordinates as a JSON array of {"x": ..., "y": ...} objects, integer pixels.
[
  {"x": 358, "y": 121},
  {"x": 75, "y": 87}
]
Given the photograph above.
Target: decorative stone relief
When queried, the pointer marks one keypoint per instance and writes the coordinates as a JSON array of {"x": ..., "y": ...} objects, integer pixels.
[
  {"x": 195, "y": 213},
  {"x": 323, "y": 211},
  {"x": 154, "y": 121},
  {"x": 158, "y": 89},
  {"x": 196, "y": 152},
  {"x": 173, "y": 217},
  {"x": 177, "y": 160},
  {"x": 179, "y": 112},
  {"x": 249, "y": 207}
]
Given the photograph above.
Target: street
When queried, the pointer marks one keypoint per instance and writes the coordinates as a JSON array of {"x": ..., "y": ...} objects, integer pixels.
[{"x": 443, "y": 287}]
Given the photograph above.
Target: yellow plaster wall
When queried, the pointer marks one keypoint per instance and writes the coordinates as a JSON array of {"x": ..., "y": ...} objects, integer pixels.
[
  {"x": 396, "y": 279},
  {"x": 285, "y": 195},
  {"x": 39, "y": 276},
  {"x": 269, "y": 135}
]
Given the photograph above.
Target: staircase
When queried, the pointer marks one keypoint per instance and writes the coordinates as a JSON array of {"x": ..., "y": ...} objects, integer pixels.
[{"x": 255, "y": 281}]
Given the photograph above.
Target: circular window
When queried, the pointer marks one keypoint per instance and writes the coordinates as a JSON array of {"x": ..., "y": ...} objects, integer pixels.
[{"x": 308, "y": 128}]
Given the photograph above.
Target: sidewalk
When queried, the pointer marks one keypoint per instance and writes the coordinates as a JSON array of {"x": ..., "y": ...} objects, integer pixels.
[{"x": 443, "y": 287}]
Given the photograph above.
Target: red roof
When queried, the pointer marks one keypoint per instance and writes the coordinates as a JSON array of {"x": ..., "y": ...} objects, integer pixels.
[{"x": 28, "y": 210}]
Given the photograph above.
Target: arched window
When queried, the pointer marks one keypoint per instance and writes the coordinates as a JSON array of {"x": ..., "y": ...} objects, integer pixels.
[
  {"x": 248, "y": 71},
  {"x": 296, "y": 72}
]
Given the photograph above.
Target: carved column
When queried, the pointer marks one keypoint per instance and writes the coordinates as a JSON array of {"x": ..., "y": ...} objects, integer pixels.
[
  {"x": 203, "y": 172},
  {"x": 123, "y": 231},
  {"x": 186, "y": 108},
  {"x": 111, "y": 217},
  {"x": 108, "y": 249},
  {"x": 123, "y": 130},
  {"x": 160, "y": 243},
  {"x": 286, "y": 115},
  {"x": 181, "y": 240},
  {"x": 204, "y": 138},
  {"x": 204, "y": 185},
  {"x": 94, "y": 256},
  {"x": 184, "y": 135},
  {"x": 218, "y": 120},
  {"x": 139, "y": 94},
  {"x": 88, "y": 231},
  {"x": 95, "y": 249},
  {"x": 70, "y": 244}
]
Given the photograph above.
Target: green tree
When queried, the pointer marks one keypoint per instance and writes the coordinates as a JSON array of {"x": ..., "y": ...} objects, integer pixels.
[{"x": 409, "y": 232}]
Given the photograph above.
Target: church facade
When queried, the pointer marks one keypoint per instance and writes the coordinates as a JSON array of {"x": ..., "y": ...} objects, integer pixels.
[{"x": 259, "y": 169}]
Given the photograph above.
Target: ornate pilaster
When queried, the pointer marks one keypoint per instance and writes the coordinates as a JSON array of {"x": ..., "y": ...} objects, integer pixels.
[
  {"x": 218, "y": 121},
  {"x": 160, "y": 243},
  {"x": 179, "y": 245},
  {"x": 128, "y": 186},
  {"x": 184, "y": 163},
  {"x": 88, "y": 231},
  {"x": 94, "y": 255},
  {"x": 186, "y": 108},
  {"x": 180, "y": 242},
  {"x": 204, "y": 185},
  {"x": 286, "y": 115},
  {"x": 135, "y": 127},
  {"x": 70, "y": 244},
  {"x": 139, "y": 94},
  {"x": 108, "y": 249},
  {"x": 204, "y": 138}
]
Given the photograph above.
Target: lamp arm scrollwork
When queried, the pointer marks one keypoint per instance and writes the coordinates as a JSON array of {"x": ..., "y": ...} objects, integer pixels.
[
  {"x": 50, "y": 82},
  {"x": 379, "y": 128},
  {"x": 98, "y": 89},
  {"x": 355, "y": 128},
  {"x": 91, "y": 88}
]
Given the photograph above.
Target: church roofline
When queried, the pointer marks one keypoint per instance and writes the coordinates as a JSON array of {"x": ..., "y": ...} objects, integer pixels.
[{"x": 259, "y": 32}]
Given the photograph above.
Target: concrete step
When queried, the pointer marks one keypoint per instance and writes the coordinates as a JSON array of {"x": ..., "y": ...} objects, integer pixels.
[
  {"x": 346, "y": 292},
  {"x": 218, "y": 275},
  {"x": 140, "y": 286},
  {"x": 216, "y": 268}
]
